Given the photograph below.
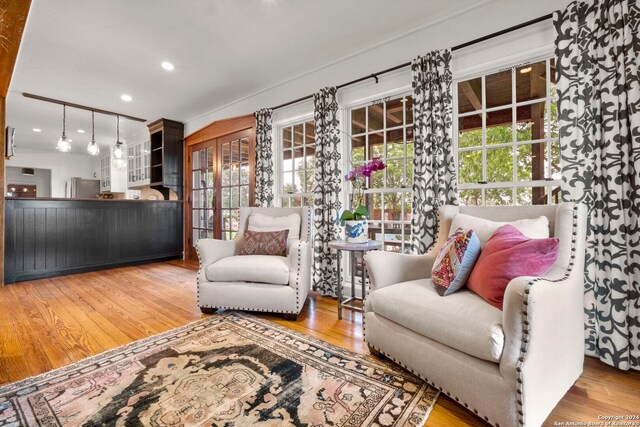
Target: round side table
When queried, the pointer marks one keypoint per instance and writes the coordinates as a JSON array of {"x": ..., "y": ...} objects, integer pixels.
[{"x": 342, "y": 246}]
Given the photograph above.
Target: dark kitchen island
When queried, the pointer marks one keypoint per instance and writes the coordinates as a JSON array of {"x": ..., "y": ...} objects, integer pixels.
[{"x": 47, "y": 237}]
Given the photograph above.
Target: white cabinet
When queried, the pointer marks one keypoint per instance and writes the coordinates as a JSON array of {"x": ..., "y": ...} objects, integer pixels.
[
  {"x": 138, "y": 164},
  {"x": 111, "y": 179}
]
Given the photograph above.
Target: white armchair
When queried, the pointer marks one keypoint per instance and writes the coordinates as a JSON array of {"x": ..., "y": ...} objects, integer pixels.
[
  {"x": 268, "y": 292},
  {"x": 509, "y": 367}
]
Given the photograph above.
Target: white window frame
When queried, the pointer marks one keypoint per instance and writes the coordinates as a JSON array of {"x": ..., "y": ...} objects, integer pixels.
[
  {"x": 279, "y": 169},
  {"x": 548, "y": 140},
  {"x": 347, "y": 156}
]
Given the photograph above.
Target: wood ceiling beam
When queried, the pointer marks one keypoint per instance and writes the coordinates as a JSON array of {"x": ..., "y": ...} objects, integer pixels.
[
  {"x": 13, "y": 17},
  {"x": 469, "y": 91}
]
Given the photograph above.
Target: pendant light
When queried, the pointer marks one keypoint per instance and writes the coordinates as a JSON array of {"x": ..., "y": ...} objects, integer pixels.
[
  {"x": 118, "y": 150},
  {"x": 63, "y": 143},
  {"x": 93, "y": 147}
]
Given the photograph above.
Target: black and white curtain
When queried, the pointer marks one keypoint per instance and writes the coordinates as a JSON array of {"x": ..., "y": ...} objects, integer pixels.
[
  {"x": 597, "y": 74},
  {"x": 264, "y": 159},
  {"x": 434, "y": 177},
  {"x": 326, "y": 190}
]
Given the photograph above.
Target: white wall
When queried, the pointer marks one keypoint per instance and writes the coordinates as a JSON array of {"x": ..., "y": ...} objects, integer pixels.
[
  {"x": 62, "y": 165},
  {"x": 41, "y": 178},
  {"x": 488, "y": 17}
]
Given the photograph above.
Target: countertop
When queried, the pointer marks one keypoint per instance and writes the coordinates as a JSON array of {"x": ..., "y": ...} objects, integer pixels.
[{"x": 64, "y": 199}]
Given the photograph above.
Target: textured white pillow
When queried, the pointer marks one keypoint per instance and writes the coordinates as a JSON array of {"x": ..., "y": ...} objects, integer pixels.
[
  {"x": 534, "y": 228},
  {"x": 260, "y": 222}
]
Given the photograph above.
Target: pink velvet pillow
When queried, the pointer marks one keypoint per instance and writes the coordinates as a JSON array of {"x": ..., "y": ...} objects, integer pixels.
[{"x": 509, "y": 254}]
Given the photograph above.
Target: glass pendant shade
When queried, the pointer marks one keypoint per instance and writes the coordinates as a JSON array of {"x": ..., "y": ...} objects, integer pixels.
[
  {"x": 118, "y": 151},
  {"x": 93, "y": 147},
  {"x": 63, "y": 143}
]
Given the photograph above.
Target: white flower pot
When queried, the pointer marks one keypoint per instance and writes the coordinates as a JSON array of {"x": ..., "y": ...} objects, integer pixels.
[{"x": 356, "y": 231}]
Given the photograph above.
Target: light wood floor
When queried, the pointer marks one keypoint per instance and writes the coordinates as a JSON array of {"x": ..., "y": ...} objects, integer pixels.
[{"x": 50, "y": 323}]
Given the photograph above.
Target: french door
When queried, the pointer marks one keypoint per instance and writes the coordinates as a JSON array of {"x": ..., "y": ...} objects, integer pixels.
[{"x": 221, "y": 181}]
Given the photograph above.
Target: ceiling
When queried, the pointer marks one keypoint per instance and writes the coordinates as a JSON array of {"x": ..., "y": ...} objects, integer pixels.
[{"x": 92, "y": 51}]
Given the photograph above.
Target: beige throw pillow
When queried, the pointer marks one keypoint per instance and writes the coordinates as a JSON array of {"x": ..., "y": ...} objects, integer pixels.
[
  {"x": 534, "y": 228},
  {"x": 260, "y": 222}
]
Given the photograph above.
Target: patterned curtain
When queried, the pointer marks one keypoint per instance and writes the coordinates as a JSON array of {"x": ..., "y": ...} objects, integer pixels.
[
  {"x": 597, "y": 74},
  {"x": 434, "y": 177},
  {"x": 264, "y": 159},
  {"x": 326, "y": 190}
]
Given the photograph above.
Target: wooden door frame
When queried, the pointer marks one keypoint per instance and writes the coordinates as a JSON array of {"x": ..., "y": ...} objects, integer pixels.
[
  {"x": 214, "y": 131},
  {"x": 15, "y": 19}
]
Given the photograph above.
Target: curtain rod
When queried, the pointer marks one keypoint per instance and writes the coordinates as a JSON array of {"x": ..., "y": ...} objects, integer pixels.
[
  {"x": 406, "y": 64},
  {"x": 81, "y": 107}
]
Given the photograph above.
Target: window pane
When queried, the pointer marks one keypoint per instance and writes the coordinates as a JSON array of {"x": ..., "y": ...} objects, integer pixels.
[
  {"x": 498, "y": 196},
  {"x": 531, "y": 122},
  {"x": 470, "y": 166},
  {"x": 395, "y": 109},
  {"x": 287, "y": 160},
  {"x": 226, "y": 175},
  {"x": 531, "y": 196},
  {"x": 531, "y": 81},
  {"x": 395, "y": 173},
  {"x": 298, "y": 134},
  {"x": 374, "y": 203},
  {"x": 393, "y": 207},
  {"x": 358, "y": 149},
  {"x": 471, "y": 197},
  {"x": 470, "y": 131},
  {"x": 556, "y": 171},
  {"x": 287, "y": 183},
  {"x": 298, "y": 156},
  {"x": 408, "y": 204},
  {"x": 244, "y": 173},
  {"x": 286, "y": 138},
  {"x": 470, "y": 95},
  {"x": 531, "y": 162},
  {"x": 395, "y": 143},
  {"x": 226, "y": 198},
  {"x": 500, "y": 164},
  {"x": 498, "y": 89},
  {"x": 244, "y": 196},
  {"x": 376, "y": 117},
  {"x": 553, "y": 116},
  {"x": 376, "y": 145},
  {"x": 408, "y": 107},
  {"x": 310, "y": 132},
  {"x": 285, "y": 202},
  {"x": 499, "y": 127},
  {"x": 358, "y": 120}
]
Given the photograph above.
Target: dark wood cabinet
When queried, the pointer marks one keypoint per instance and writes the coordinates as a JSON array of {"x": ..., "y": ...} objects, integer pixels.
[
  {"x": 55, "y": 237},
  {"x": 166, "y": 138}
]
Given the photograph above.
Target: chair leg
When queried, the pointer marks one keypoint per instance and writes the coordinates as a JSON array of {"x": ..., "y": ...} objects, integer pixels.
[
  {"x": 376, "y": 353},
  {"x": 208, "y": 310},
  {"x": 290, "y": 316}
]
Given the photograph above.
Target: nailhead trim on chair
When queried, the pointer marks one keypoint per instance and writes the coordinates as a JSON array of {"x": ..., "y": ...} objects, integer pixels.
[
  {"x": 526, "y": 320},
  {"x": 298, "y": 305},
  {"x": 525, "y": 339}
]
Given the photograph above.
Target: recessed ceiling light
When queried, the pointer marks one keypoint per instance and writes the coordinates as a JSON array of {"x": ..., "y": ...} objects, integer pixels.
[
  {"x": 125, "y": 97},
  {"x": 525, "y": 70},
  {"x": 167, "y": 66},
  {"x": 80, "y": 131},
  {"x": 37, "y": 130},
  {"x": 70, "y": 140}
]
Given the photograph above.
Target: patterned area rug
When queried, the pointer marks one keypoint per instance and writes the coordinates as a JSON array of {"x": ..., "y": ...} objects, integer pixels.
[{"x": 230, "y": 370}]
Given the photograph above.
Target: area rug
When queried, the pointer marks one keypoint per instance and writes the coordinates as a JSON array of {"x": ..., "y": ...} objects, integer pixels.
[{"x": 227, "y": 370}]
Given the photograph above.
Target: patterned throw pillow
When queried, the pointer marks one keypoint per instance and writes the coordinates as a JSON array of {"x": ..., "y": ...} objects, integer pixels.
[
  {"x": 265, "y": 243},
  {"x": 455, "y": 261}
]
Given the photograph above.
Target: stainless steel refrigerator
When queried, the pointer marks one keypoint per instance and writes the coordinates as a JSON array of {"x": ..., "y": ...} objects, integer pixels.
[{"x": 79, "y": 188}]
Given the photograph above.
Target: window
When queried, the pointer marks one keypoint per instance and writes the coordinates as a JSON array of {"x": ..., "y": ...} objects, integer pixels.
[
  {"x": 298, "y": 151},
  {"x": 384, "y": 129},
  {"x": 507, "y": 137}
]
